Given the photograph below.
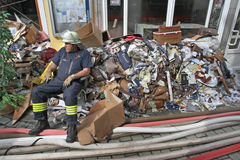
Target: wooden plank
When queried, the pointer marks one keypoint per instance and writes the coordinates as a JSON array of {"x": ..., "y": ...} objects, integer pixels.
[
  {"x": 25, "y": 59},
  {"x": 20, "y": 65},
  {"x": 41, "y": 61},
  {"x": 24, "y": 70},
  {"x": 19, "y": 112},
  {"x": 27, "y": 77},
  {"x": 223, "y": 79}
]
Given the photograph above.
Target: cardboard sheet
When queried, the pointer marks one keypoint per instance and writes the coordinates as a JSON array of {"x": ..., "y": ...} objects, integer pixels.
[{"x": 104, "y": 116}]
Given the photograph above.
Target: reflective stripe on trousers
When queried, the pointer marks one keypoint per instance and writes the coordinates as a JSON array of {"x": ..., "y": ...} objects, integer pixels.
[
  {"x": 71, "y": 110},
  {"x": 39, "y": 107}
]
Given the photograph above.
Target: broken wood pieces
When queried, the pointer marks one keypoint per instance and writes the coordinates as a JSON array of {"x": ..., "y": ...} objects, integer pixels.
[{"x": 19, "y": 112}]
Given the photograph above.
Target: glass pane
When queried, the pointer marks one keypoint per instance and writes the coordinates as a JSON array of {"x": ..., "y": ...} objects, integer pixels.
[
  {"x": 145, "y": 16},
  {"x": 235, "y": 35},
  {"x": 216, "y": 14},
  {"x": 237, "y": 25},
  {"x": 190, "y": 11},
  {"x": 189, "y": 32},
  {"x": 115, "y": 18},
  {"x": 236, "y": 45}
]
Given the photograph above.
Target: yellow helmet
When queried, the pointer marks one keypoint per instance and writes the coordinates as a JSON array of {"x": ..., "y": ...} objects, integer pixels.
[{"x": 70, "y": 37}]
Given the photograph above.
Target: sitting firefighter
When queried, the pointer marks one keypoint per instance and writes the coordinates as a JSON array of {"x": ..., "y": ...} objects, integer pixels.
[{"x": 73, "y": 63}]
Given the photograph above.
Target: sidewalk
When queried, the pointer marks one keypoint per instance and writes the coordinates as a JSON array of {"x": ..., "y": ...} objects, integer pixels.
[{"x": 27, "y": 122}]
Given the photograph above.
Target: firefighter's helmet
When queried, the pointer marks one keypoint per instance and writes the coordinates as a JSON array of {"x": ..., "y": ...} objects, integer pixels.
[{"x": 70, "y": 37}]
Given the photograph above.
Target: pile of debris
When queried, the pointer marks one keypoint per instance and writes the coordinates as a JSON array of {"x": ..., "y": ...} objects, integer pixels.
[
  {"x": 190, "y": 76},
  {"x": 31, "y": 48}
]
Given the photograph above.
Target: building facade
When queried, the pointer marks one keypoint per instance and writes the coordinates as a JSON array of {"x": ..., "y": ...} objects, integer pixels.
[{"x": 122, "y": 17}]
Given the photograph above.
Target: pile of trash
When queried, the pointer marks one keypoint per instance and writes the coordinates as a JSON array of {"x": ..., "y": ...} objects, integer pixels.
[
  {"x": 31, "y": 48},
  {"x": 190, "y": 76}
]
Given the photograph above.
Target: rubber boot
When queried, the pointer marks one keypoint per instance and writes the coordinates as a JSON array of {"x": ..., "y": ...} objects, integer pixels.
[
  {"x": 71, "y": 133},
  {"x": 41, "y": 125}
]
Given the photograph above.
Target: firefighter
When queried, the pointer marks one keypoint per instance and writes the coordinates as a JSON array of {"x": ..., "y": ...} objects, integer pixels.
[{"x": 72, "y": 63}]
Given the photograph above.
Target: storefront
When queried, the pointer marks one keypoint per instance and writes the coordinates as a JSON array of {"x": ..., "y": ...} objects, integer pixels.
[{"x": 122, "y": 17}]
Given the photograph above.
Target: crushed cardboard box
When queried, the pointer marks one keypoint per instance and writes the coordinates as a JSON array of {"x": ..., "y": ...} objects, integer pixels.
[
  {"x": 89, "y": 35},
  {"x": 104, "y": 116},
  {"x": 32, "y": 34}
]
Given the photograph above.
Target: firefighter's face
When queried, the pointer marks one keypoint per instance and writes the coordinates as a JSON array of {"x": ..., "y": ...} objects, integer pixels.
[{"x": 70, "y": 47}]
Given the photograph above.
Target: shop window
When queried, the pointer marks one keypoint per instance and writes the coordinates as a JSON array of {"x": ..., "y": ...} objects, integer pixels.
[
  {"x": 65, "y": 14},
  {"x": 191, "y": 11},
  {"x": 115, "y": 18},
  {"x": 144, "y": 16},
  {"x": 192, "y": 15},
  {"x": 216, "y": 14}
]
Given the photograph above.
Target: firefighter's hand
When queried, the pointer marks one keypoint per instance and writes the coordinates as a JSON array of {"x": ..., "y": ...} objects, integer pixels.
[
  {"x": 47, "y": 76},
  {"x": 68, "y": 80}
]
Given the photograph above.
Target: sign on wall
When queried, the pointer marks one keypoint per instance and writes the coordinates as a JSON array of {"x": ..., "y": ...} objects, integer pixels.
[{"x": 65, "y": 14}]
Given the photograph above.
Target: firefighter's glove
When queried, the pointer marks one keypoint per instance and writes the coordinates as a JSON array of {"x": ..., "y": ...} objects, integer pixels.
[
  {"x": 48, "y": 75},
  {"x": 68, "y": 80}
]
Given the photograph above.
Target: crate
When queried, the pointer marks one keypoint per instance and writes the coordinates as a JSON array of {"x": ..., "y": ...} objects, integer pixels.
[{"x": 170, "y": 35}]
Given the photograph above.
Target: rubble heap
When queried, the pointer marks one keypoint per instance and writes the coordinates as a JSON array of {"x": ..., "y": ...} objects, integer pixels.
[
  {"x": 135, "y": 69},
  {"x": 31, "y": 49},
  {"x": 190, "y": 76}
]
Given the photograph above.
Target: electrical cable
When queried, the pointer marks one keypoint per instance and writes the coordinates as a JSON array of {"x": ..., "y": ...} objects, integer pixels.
[{"x": 21, "y": 146}]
